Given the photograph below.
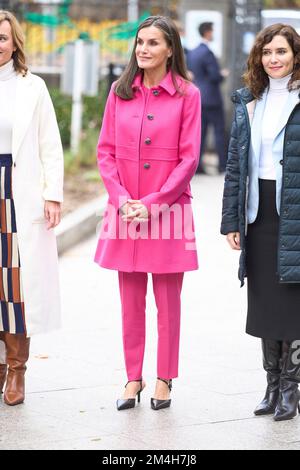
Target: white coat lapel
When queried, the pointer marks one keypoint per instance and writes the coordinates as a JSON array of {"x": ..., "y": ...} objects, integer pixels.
[
  {"x": 256, "y": 126},
  {"x": 291, "y": 102},
  {"x": 26, "y": 100},
  {"x": 251, "y": 109}
]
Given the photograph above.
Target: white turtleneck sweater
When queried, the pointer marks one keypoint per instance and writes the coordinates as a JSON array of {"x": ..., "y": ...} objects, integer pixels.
[
  {"x": 8, "y": 86},
  {"x": 276, "y": 99}
]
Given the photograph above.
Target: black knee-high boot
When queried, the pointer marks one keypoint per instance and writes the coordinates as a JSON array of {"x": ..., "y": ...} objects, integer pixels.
[
  {"x": 289, "y": 395},
  {"x": 271, "y": 350}
]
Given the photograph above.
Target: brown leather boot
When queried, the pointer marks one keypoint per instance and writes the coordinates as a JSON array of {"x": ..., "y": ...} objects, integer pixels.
[
  {"x": 3, "y": 367},
  {"x": 17, "y": 348}
]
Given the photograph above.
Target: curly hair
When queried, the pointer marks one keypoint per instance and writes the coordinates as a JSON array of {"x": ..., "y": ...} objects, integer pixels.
[
  {"x": 18, "y": 55},
  {"x": 255, "y": 78}
]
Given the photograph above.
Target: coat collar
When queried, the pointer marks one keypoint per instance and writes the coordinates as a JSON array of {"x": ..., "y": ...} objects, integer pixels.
[
  {"x": 292, "y": 101},
  {"x": 244, "y": 94},
  {"x": 256, "y": 126},
  {"x": 26, "y": 100},
  {"x": 166, "y": 83}
]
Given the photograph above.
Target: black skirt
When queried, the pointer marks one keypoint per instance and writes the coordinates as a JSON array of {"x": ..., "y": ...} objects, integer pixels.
[{"x": 273, "y": 308}]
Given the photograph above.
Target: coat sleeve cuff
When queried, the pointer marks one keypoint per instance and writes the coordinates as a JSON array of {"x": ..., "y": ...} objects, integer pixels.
[
  {"x": 53, "y": 196},
  {"x": 229, "y": 228}
]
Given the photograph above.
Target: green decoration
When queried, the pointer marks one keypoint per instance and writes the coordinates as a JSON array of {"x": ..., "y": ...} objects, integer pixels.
[
  {"x": 85, "y": 36},
  {"x": 127, "y": 30},
  {"x": 52, "y": 21}
]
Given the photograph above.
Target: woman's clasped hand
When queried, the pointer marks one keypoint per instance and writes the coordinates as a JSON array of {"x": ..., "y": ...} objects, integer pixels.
[{"x": 134, "y": 210}]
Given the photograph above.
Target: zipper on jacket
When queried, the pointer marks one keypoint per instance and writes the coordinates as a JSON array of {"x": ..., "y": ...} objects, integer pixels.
[
  {"x": 281, "y": 196},
  {"x": 247, "y": 176}
]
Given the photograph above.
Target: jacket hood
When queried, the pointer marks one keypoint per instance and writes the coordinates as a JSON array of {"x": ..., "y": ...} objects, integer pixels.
[
  {"x": 166, "y": 83},
  {"x": 245, "y": 95}
]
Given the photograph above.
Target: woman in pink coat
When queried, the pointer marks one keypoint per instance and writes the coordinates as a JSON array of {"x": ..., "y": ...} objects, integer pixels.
[{"x": 147, "y": 154}]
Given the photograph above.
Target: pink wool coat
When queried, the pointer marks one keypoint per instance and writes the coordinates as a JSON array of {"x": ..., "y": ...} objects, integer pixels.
[{"x": 148, "y": 149}]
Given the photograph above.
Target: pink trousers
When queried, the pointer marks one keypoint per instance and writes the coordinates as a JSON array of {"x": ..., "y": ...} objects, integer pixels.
[{"x": 167, "y": 290}]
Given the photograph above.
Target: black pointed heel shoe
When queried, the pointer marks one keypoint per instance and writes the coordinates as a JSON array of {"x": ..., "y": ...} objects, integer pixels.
[
  {"x": 126, "y": 403},
  {"x": 160, "y": 404}
]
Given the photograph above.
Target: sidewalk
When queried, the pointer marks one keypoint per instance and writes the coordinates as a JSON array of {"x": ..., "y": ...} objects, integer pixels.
[{"x": 75, "y": 375}]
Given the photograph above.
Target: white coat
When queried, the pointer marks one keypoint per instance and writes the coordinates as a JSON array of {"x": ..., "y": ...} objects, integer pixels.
[{"x": 37, "y": 175}]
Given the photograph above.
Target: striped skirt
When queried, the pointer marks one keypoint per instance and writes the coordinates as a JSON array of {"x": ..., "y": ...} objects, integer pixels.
[{"x": 12, "y": 317}]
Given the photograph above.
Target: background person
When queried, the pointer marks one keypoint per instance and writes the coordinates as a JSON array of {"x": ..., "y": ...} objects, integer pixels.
[{"x": 204, "y": 66}]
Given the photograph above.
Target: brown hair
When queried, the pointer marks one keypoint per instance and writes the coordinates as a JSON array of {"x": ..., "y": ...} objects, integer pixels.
[
  {"x": 18, "y": 55},
  {"x": 255, "y": 77},
  {"x": 176, "y": 63}
]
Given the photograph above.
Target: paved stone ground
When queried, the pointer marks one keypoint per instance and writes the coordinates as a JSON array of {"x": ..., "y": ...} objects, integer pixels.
[{"x": 75, "y": 375}]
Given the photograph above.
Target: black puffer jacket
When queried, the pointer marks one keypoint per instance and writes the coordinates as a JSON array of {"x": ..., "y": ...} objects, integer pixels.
[{"x": 235, "y": 189}]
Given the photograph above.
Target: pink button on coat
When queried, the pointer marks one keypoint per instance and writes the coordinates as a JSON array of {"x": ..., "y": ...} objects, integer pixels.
[{"x": 148, "y": 149}]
